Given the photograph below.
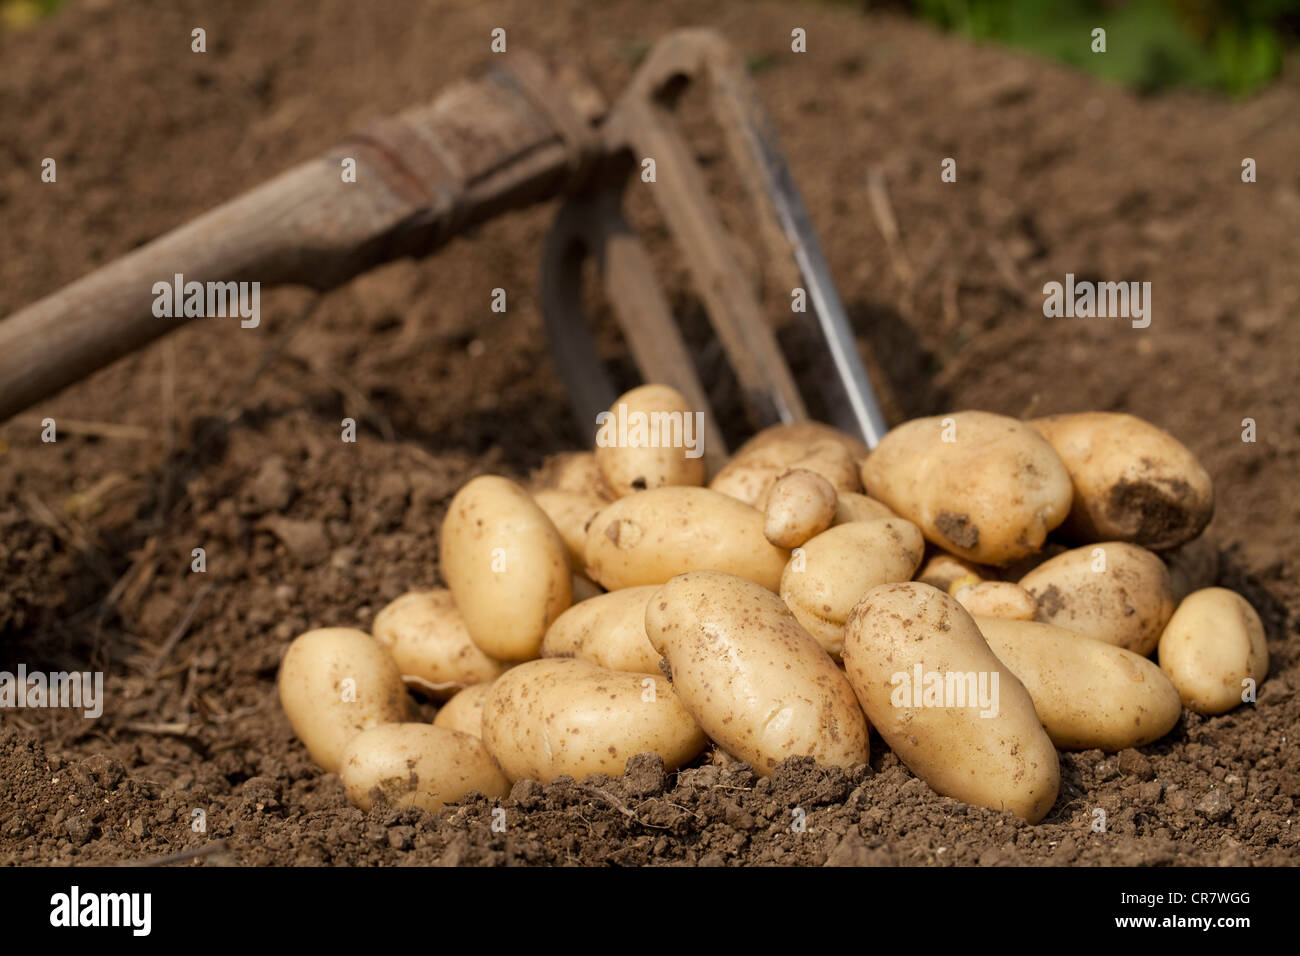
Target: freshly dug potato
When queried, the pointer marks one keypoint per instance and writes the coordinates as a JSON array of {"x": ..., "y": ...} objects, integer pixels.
[
  {"x": 754, "y": 679},
  {"x": 334, "y": 683},
  {"x": 1211, "y": 646},
  {"x": 1115, "y": 592},
  {"x": 1088, "y": 694},
  {"x": 570, "y": 512},
  {"x": 427, "y": 637},
  {"x": 1000, "y": 599},
  {"x": 941, "y": 570},
  {"x": 649, "y": 537},
  {"x": 650, "y": 438},
  {"x": 506, "y": 566},
  {"x": 852, "y": 506},
  {"x": 464, "y": 712},
  {"x": 800, "y": 504},
  {"x": 986, "y": 487},
  {"x": 548, "y": 718},
  {"x": 1132, "y": 480},
  {"x": 574, "y": 471},
  {"x": 608, "y": 631},
  {"x": 837, "y": 567},
  {"x": 769, "y": 454},
  {"x": 955, "y": 714},
  {"x": 418, "y": 765},
  {"x": 1192, "y": 566}
]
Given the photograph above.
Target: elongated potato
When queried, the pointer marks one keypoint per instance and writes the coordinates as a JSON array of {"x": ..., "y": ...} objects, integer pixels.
[
  {"x": 418, "y": 765},
  {"x": 464, "y": 712},
  {"x": 852, "y": 506},
  {"x": 1213, "y": 645},
  {"x": 822, "y": 583},
  {"x": 800, "y": 505},
  {"x": 756, "y": 681},
  {"x": 427, "y": 637},
  {"x": 334, "y": 683},
  {"x": 1132, "y": 480},
  {"x": 955, "y": 714},
  {"x": 1000, "y": 599},
  {"x": 650, "y": 438},
  {"x": 649, "y": 537},
  {"x": 559, "y": 716},
  {"x": 1115, "y": 592},
  {"x": 769, "y": 454},
  {"x": 573, "y": 471},
  {"x": 608, "y": 631},
  {"x": 1088, "y": 694},
  {"x": 570, "y": 512},
  {"x": 506, "y": 567}
]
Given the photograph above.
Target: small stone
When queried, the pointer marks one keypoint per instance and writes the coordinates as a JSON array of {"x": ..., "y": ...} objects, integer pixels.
[{"x": 1214, "y": 806}]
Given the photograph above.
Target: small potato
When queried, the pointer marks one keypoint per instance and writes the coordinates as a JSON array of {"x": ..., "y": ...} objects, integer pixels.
[
  {"x": 832, "y": 572},
  {"x": 757, "y": 682},
  {"x": 608, "y": 631},
  {"x": 573, "y": 471},
  {"x": 1132, "y": 481},
  {"x": 769, "y": 454},
  {"x": 506, "y": 566},
  {"x": 1087, "y": 693},
  {"x": 548, "y": 718},
  {"x": 334, "y": 683},
  {"x": 570, "y": 512},
  {"x": 941, "y": 570},
  {"x": 464, "y": 712},
  {"x": 800, "y": 504},
  {"x": 851, "y": 506},
  {"x": 649, "y": 537},
  {"x": 986, "y": 487},
  {"x": 1192, "y": 566},
  {"x": 1211, "y": 647},
  {"x": 427, "y": 638},
  {"x": 1000, "y": 599},
  {"x": 418, "y": 765},
  {"x": 1115, "y": 592},
  {"x": 955, "y": 714},
  {"x": 650, "y": 438}
]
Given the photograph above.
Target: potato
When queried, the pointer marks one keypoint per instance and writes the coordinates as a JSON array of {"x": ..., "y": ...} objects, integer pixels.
[
  {"x": 1132, "y": 480},
  {"x": 418, "y": 765},
  {"x": 1115, "y": 592},
  {"x": 941, "y": 570},
  {"x": 758, "y": 683},
  {"x": 851, "y": 506},
  {"x": 986, "y": 487},
  {"x": 334, "y": 683},
  {"x": 573, "y": 471},
  {"x": 608, "y": 631},
  {"x": 649, "y": 537},
  {"x": 426, "y": 635},
  {"x": 570, "y": 512},
  {"x": 650, "y": 438},
  {"x": 955, "y": 714},
  {"x": 464, "y": 712},
  {"x": 548, "y": 718},
  {"x": 832, "y": 572},
  {"x": 506, "y": 567},
  {"x": 1000, "y": 599},
  {"x": 769, "y": 454},
  {"x": 1088, "y": 694},
  {"x": 801, "y": 504},
  {"x": 1212, "y": 645}
]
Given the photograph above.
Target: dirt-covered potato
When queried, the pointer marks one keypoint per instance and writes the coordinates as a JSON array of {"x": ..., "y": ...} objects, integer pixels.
[
  {"x": 833, "y": 570},
  {"x": 464, "y": 712},
  {"x": 1115, "y": 592},
  {"x": 772, "y": 452},
  {"x": 1000, "y": 599},
  {"x": 986, "y": 487},
  {"x": 1132, "y": 481},
  {"x": 608, "y": 631},
  {"x": 506, "y": 566},
  {"x": 573, "y": 471},
  {"x": 955, "y": 714},
  {"x": 853, "y": 506},
  {"x": 548, "y": 718},
  {"x": 427, "y": 637},
  {"x": 1088, "y": 694},
  {"x": 570, "y": 512},
  {"x": 418, "y": 765},
  {"x": 336, "y": 682},
  {"x": 650, "y": 438},
  {"x": 800, "y": 504},
  {"x": 758, "y": 683},
  {"x": 1214, "y": 650},
  {"x": 649, "y": 537}
]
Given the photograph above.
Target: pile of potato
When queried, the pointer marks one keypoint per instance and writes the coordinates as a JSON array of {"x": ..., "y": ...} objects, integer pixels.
[{"x": 809, "y": 592}]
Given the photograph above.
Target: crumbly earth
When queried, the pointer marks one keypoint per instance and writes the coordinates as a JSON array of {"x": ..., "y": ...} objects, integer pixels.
[{"x": 228, "y": 438}]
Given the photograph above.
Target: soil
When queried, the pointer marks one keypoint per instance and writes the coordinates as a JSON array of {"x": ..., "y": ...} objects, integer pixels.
[{"x": 228, "y": 438}]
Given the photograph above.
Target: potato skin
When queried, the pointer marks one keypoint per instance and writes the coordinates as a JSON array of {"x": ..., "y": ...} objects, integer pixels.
[
  {"x": 418, "y": 765},
  {"x": 608, "y": 631},
  {"x": 756, "y": 681},
  {"x": 464, "y": 712},
  {"x": 651, "y": 536},
  {"x": 313, "y": 694},
  {"x": 1132, "y": 481},
  {"x": 1088, "y": 694},
  {"x": 1214, "y": 641},
  {"x": 773, "y": 451},
  {"x": 1000, "y": 599},
  {"x": 800, "y": 505},
  {"x": 427, "y": 637},
  {"x": 1127, "y": 604},
  {"x": 572, "y": 471},
  {"x": 842, "y": 564},
  {"x": 1005, "y": 761},
  {"x": 990, "y": 495},
  {"x": 852, "y": 506},
  {"x": 570, "y": 512},
  {"x": 506, "y": 566},
  {"x": 942, "y": 570},
  {"x": 558, "y": 716},
  {"x": 632, "y": 468}
]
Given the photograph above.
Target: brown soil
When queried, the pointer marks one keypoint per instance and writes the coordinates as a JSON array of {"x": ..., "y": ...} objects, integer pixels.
[{"x": 236, "y": 443}]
